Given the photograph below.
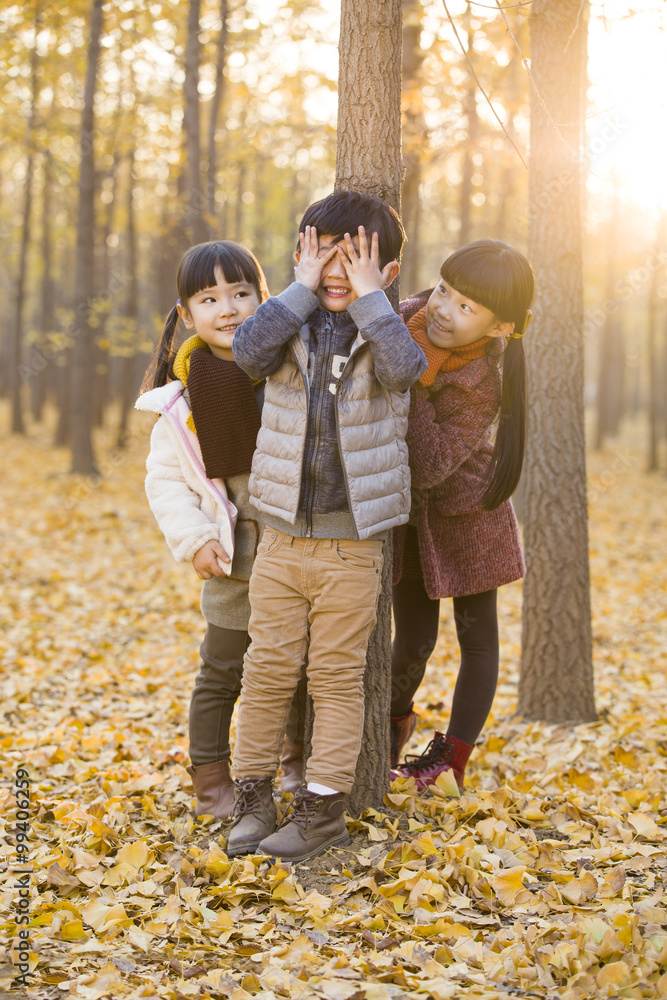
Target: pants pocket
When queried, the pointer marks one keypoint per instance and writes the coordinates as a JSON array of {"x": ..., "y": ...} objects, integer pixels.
[{"x": 366, "y": 555}]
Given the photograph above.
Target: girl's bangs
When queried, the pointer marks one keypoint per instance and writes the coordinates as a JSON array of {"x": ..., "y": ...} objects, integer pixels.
[
  {"x": 493, "y": 274},
  {"x": 197, "y": 270},
  {"x": 480, "y": 280}
]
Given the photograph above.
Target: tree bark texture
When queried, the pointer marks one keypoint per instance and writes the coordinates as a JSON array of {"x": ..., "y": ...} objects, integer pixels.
[
  {"x": 368, "y": 155},
  {"x": 556, "y": 683},
  {"x": 82, "y": 363},
  {"x": 369, "y": 160}
]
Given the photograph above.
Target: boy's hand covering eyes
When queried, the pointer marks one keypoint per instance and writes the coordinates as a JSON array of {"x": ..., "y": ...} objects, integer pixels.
[
  {"x": 363, "y": 269},
  {"x": 308, "y": 270},
  {"x": 207, "y": 560}
]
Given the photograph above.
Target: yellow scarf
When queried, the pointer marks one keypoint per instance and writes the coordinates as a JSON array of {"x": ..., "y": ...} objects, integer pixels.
[{"x": 182, "y": 365}]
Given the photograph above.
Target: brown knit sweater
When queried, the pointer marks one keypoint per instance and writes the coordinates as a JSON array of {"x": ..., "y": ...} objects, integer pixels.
[{"x": 225, "y": 413}]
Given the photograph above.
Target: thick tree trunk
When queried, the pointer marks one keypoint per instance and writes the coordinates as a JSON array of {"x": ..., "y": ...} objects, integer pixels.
[
  {"x": 556, "y": 672},
  {"x": 82, "y": 363},
  {"x": 369, "y": 160}
]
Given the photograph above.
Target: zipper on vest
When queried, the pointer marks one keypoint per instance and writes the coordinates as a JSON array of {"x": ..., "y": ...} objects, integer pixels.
[
  {"x": 324, "y": 372},
  {"x": 342, "y": 460}
]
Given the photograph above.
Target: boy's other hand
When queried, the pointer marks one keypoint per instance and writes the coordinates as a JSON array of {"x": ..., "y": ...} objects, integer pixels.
[
  {"x": 206, "y": 558},
  {"x": 309, "y": 265},
  {"x": 363, "y": 269}
]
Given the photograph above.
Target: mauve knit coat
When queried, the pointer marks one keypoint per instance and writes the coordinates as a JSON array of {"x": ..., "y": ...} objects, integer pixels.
[{"x": 463, "y": 549}]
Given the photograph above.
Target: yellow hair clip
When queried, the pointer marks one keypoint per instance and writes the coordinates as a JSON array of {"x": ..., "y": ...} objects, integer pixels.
[{"x": 526, "y": 324}]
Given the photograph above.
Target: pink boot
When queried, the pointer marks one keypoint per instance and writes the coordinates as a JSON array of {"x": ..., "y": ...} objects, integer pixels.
[{"x": 444, "y": 753}]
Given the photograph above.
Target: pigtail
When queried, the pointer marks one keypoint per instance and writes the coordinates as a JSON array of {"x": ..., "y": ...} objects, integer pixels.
[
  {"x": 160, "y": 370},
  {"x": 504, "y": 472}
]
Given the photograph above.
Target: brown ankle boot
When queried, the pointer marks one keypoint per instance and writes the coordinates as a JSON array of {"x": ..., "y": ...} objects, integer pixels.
[
  {"x": 255, "y": 815},
  {"x": 311, "y": 825},
  {"x": 291, "y": 764},
  {"x": 401, "y": 729},
  {"x": 214, "y": 789}
]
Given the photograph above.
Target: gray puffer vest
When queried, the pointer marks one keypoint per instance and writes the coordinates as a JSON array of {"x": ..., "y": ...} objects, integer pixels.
[
  {"x": 371, "y": 422},
  {"x": 371, "y": 419}
]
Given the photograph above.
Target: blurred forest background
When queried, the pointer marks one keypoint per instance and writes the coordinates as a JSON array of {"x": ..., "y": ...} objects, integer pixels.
[{"x": 216, "y": 119}]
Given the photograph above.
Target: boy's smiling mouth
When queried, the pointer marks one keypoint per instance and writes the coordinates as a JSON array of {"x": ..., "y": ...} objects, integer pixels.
[{"x": 336, "y": 291}]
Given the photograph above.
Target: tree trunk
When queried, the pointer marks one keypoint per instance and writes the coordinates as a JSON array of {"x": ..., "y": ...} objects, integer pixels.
[
  {"x": 40, "y": 382},
  {"x": 82, "y": 357},
  {"x": 129, "y": 385},
  {"x": 369, "y": 160},
  {"x": 653, "y": 357},
  {"x": 607, "y": 404},
  {"x": 16, "y": 343},
  {"x": 414, "y": 140},
  {"x": 216, "y": 102},
  {"x": 194, "y": 220},
  {"x": 556, "y": 683},
  {"x": 472, "y": 128}
]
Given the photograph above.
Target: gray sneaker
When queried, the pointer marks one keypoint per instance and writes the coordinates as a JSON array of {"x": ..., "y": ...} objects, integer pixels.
[
  {"x": 255, "y": 815},
  {"x": 312, "y": 824}
]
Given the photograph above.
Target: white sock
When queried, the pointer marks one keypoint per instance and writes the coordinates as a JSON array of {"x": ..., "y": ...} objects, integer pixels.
[{"x": 313, "y": 786}]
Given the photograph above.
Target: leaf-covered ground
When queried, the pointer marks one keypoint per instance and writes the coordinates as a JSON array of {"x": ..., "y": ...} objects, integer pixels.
[{"x": 545, "y": 880}]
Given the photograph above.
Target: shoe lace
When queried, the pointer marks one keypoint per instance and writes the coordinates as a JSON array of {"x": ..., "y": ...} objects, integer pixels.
[
  {"x": 439, "y": 751},
  {"x": 302, "y": 809},
  {"x": 249, "y": 801}
]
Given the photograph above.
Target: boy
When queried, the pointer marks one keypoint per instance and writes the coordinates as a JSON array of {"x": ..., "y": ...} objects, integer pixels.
[{"x": 331, "y": 475}]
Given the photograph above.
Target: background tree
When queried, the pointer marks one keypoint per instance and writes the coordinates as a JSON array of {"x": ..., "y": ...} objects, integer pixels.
[
  {"x": 82, "y": 363},
  {"x": 556, "y": 671}
]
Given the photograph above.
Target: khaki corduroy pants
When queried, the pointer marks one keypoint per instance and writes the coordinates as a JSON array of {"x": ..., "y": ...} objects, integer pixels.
[{"x": 314, "y": 596}]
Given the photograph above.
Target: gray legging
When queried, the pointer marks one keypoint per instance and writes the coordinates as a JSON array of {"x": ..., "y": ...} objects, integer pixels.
[
  {"x": 416, "y": 619},
  {"x": 217, "y": 688}
]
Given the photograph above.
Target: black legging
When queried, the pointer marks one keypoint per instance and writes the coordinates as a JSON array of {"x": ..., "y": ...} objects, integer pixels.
[{"x": 416, "y": 619}]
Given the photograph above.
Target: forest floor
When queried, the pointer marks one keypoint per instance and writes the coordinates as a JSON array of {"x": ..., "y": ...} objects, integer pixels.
[{"x": 545, "y": 879}]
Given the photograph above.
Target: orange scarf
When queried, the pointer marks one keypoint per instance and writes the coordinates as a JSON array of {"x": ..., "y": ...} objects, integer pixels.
[{"x": 442, "y": 359}]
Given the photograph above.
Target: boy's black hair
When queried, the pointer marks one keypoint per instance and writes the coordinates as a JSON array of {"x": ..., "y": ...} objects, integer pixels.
[{"x": 344, "y": 211}]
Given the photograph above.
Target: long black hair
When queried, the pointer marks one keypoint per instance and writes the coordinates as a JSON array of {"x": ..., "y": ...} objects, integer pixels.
[
  {"x": 500, "y": 278},
  {"x": 196, "y": 271}
]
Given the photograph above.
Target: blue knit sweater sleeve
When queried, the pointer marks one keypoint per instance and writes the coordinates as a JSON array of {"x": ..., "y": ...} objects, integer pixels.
[
  {"x": 399, "y": 361},
  {"x": 259, "y": 342}
]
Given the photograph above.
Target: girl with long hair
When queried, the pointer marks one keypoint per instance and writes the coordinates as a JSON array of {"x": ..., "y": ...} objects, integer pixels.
[{"x": 463, "y": 539}]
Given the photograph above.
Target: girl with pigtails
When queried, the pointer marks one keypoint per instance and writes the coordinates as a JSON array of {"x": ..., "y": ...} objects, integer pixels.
[
  {"x": 462, "y": 540},
  {"x": 197, "y": 485}
]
